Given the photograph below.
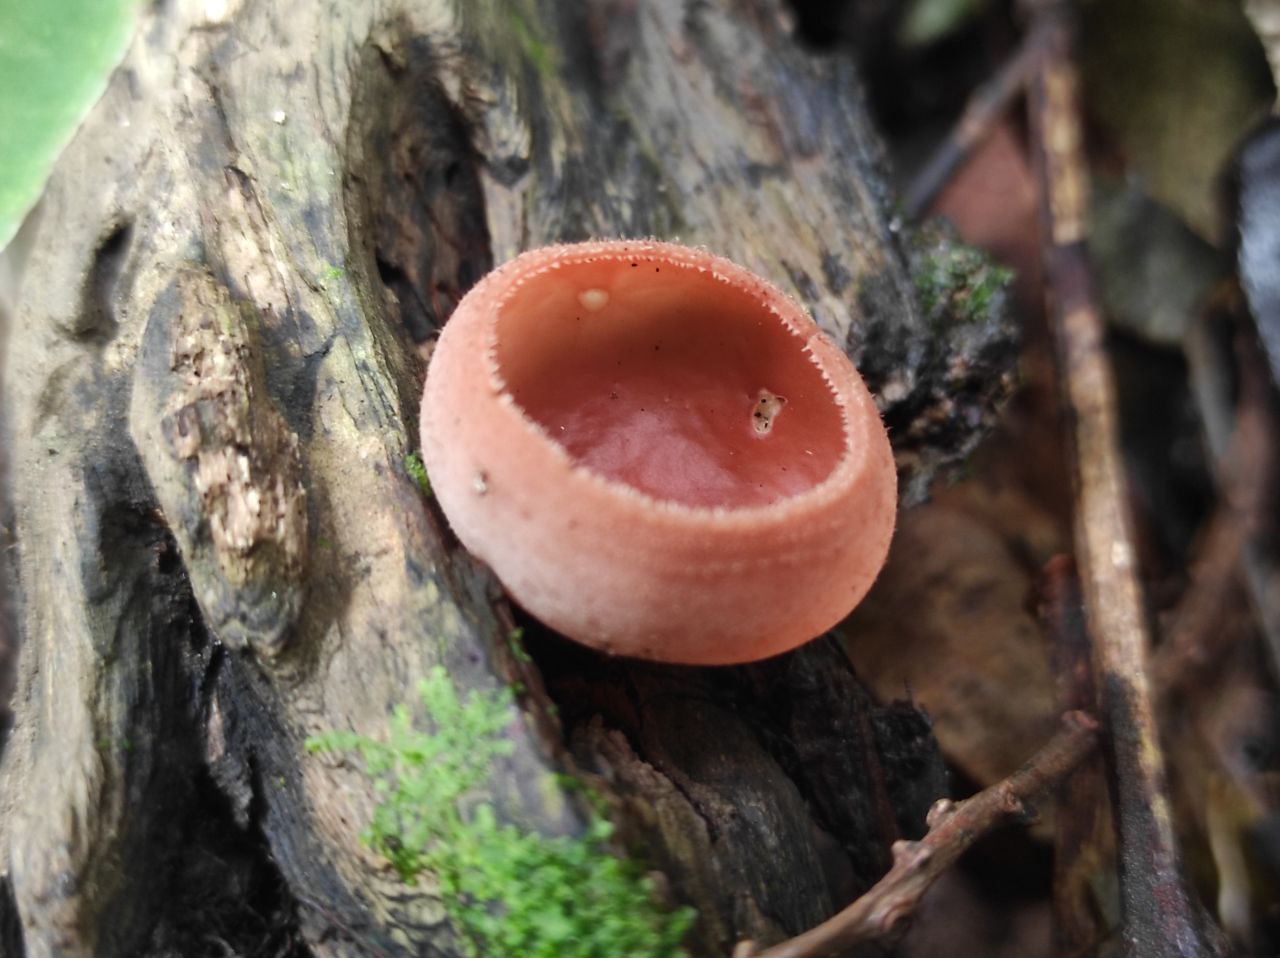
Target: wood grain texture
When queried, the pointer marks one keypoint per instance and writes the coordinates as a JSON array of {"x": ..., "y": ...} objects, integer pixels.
[{"x": 211, "y": 384}]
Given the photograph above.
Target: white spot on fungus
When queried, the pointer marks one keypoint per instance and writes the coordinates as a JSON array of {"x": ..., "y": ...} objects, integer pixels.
[
  {"x": 766, "y": 409},
  {"x": 594, "y": 299}
]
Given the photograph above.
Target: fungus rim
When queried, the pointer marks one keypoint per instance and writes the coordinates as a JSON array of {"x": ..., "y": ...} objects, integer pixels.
[{"x": 535, "y": 263}]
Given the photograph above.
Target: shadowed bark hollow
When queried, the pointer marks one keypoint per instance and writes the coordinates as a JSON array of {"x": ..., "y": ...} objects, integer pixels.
[{"x": 210, "y": 388}]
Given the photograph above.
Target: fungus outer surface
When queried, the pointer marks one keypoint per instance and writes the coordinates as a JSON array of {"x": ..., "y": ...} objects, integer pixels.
[{"x": 658, "y": 453}]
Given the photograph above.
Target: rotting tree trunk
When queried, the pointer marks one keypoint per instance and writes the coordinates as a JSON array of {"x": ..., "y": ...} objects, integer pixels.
[{"x": 210, "y": 387}]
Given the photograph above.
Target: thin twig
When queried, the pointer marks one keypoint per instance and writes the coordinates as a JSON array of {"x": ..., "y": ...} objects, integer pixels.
[
  {"x": 1159, "y": 917},
  {"x": 1230, "y": 383},
  {"x": 981, "y": 114},
  {"x": 1082, "y": 848},
  {"x": 953, "y": 827},
  {"x": 1195, "y": 640},
  {"x": 1249, "y": 484}
]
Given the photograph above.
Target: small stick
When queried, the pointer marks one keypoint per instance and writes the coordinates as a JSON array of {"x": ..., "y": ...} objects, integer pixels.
[
  {"x": 1238, "y": 431},
  {"x": 1159, "y": 917},
  {"x": 1195, "y": 640},
  {"x": 1082, "y": 848},
  {"x": 1249, "y": 479},
  {"x": 953, "y": 827},
  {"x": 981, "y": 114}
]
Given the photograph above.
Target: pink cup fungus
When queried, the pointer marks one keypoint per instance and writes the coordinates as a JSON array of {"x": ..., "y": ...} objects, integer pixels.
[{"x": 658, "y": 453}]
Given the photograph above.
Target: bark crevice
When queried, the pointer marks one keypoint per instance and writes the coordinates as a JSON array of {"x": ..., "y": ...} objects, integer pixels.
[{"x": 209, "y": 393}]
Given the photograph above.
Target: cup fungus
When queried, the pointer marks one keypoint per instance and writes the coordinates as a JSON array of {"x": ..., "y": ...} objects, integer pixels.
[{"x": 658, "y": 453}]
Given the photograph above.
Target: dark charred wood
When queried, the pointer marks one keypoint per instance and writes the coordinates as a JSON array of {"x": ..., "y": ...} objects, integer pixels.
[
  {"x": 211, "y": 385},
  {"x": 792, "y": 755}
]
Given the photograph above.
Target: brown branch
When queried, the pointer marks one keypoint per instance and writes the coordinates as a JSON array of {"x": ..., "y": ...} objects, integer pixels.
[
  {"x": 1231, "y": 384},
  {"x": 1249, "y": 481},
  {"x": 953, "y": 827},
  {"x": 1159, "y": 917},
  {"x": 981, "y": 114},
  {"x": 1195, "y": 640},
  {"x": 1082, "y": 849}
]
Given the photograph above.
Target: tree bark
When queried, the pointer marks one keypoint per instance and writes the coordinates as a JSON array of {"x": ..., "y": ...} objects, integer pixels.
[{"x": 210, "y": 388}]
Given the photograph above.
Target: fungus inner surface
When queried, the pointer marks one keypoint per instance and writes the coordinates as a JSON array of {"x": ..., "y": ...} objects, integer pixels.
[{"x": 658, "y": 376}]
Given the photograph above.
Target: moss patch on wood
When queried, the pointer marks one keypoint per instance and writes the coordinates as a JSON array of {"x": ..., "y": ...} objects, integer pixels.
[
  {"x": 507, "y": 891},
  {"x": 417, "y": 472},
  {"x": 956, "y": 283}
]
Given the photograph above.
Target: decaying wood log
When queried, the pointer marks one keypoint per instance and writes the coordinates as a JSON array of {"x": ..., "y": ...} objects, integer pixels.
[{"x": 211, "y": 386}]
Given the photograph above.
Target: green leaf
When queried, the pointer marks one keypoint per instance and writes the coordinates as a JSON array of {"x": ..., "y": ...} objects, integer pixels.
[
  {"x": 928, "y": 21},
  {"x": 55, "y": 56}
]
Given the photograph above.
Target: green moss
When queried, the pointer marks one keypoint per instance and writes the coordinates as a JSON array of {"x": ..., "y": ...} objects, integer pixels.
[
  {"x": 417, "y": 472},
  {"x": 955, "y": 282},
  {"x": 515, "y": 639},
  {"x": 507, "y": 891}
]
